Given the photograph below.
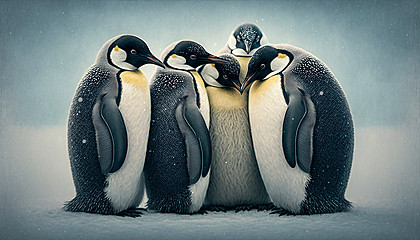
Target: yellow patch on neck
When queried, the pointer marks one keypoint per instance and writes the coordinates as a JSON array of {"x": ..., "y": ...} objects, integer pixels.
[
  {"x": 259, "y": 87},
  {"x": 135, "y": 78},
  {"x": 173, "y": 56},
  {"x": 198, "y": 79},
  {"x": 226, "y": 98},
  {"x": 243, "y": 62},
  {"x": 116, "y": 48}
]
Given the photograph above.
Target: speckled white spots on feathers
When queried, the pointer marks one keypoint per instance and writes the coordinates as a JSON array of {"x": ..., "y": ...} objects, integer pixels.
[
  {"x": 165, "y": 81},
  {"x": 232, "y": 68},
  {"x": 310, "y": 68},
  {"x": 83, "y": 156},
  {"x": 196, "y": 48},
  {"x": 248, "y": 33}
]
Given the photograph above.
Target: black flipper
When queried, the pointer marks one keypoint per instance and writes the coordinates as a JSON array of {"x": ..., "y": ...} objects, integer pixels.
[
  {"x": 196, "y": 137},
  {"x": 305, "y": 136},
  {"x": 297, "y": 130},
  {"x": 196, "y": 121},
  {"x": 114, "y": 122}
]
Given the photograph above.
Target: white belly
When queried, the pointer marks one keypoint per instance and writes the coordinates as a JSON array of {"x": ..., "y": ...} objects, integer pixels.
[
  {"x": 286, "y": 186},
  {"x": 199, "y": 189},
  {"x": 126, "y": 186}
]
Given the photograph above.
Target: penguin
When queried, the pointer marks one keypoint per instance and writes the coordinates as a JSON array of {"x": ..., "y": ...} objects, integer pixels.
[
  {"x": 235, "y": 181},
  {"x": 243, "y": 42},
  {"x": 302, "y": 130},
  {"x": 179, "y": 149},
  {"x": 108, "y": 127}
]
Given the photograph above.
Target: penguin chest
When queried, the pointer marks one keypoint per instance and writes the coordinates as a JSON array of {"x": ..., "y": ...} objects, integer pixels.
[
  {"x": 235, "y": 178},
  {"x": 125, "y": 186},
  {"x": 286, "y": 186},
  {"x": 243, "y": 62},
  {"x": 204, "y": 101}
]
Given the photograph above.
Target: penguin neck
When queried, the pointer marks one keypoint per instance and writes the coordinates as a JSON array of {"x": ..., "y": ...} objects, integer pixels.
[
  {"x": 198, "y": 83},
  {"x": 260, "y": 87},
  {"x": 243, "y": 62},
  {"x": 197, "y": 78},
  {"x": 136, "y": 78}
]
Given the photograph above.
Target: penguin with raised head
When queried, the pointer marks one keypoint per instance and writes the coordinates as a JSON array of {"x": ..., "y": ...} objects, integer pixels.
[
  {"x": 302, "y": 130},
  {"x": 108, "y": 127},
  {"x": 235, "y": 181},
  {"x": 243, "y": 42},
  {"x": 179, "y": 150}
]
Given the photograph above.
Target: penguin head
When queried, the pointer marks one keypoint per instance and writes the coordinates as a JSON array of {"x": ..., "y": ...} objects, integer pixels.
[
  {"x": 246, "y": 39},
  {"x": 265, "y": 63},
  {"x": 222, "y": 74},
  {"x": 129, "y": 52},
  {"x": 188, "y": 55}
]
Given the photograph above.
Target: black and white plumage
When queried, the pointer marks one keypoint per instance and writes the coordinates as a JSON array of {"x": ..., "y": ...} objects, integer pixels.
[
  {"x": 108, "y": 127},
  {"x": 243, "y": 42},
  {"x": 302, "y": 130},
  {"x": 179, "y": 150},
  {"x": 235, "y": 181}
]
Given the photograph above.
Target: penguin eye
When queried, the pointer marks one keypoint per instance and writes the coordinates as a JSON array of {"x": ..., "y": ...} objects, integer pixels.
[
  {"x": 262, "y": 66},
  {"x": 225, "y": 77},
  {"x": 238, "y": 38},
  {"x": 257, "y": 39},
  {"x": 133, "y": 51},
  {"x": 193, "y": 57}
]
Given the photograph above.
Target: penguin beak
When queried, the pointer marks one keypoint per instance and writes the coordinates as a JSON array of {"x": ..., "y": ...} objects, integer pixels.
[
  {"x": 247, "y": 46},
  {"x": 237, "y": 86},
  {"x": 248, "y": 81},
  {"x": 213, "y": 59},
  {"x": 153, "y": 60}
]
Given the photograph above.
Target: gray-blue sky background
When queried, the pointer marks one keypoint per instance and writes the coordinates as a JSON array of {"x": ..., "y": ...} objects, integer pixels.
[{"x": 372, "y": 47}]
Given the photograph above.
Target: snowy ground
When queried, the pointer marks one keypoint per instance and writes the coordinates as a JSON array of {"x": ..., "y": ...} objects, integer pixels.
[
  {"x": 384, "y": 187},
  {"x": 367, "y": 221}
]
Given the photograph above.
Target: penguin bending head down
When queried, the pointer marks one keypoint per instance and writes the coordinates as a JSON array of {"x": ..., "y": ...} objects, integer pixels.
[
  {"x": 243, "y": 42},
  {"x": 222, "y": 75},
  {"x": 235, "y": 181},
  {"x": 108, "y": 127},
  {"x": 179, "y": 150},
  {"x": 302, "y": 130}
]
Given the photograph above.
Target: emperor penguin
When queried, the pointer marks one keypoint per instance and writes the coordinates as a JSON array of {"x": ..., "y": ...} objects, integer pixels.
[
  {"x": 235, "y": 181},
  {"x": 179, "y": 150},
  {"x": 108, "y": 128},
  {"x": 243, "y": 42},
  {"x": 302, "y": 130}
]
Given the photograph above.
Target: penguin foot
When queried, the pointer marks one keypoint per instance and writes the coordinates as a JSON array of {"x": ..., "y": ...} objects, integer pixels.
[
  {"x": 202, "y": 211},
  {"x": 215, "y": 208},
  {"x": 131, "y": 212},
  {"x": 244, "y": 208},
  {"x": 265, "y": 207},
  {"x": 282, "y": 211}
]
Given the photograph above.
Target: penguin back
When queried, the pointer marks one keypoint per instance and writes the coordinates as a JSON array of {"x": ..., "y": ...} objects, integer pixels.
[{"x": 166, "y": 169}]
